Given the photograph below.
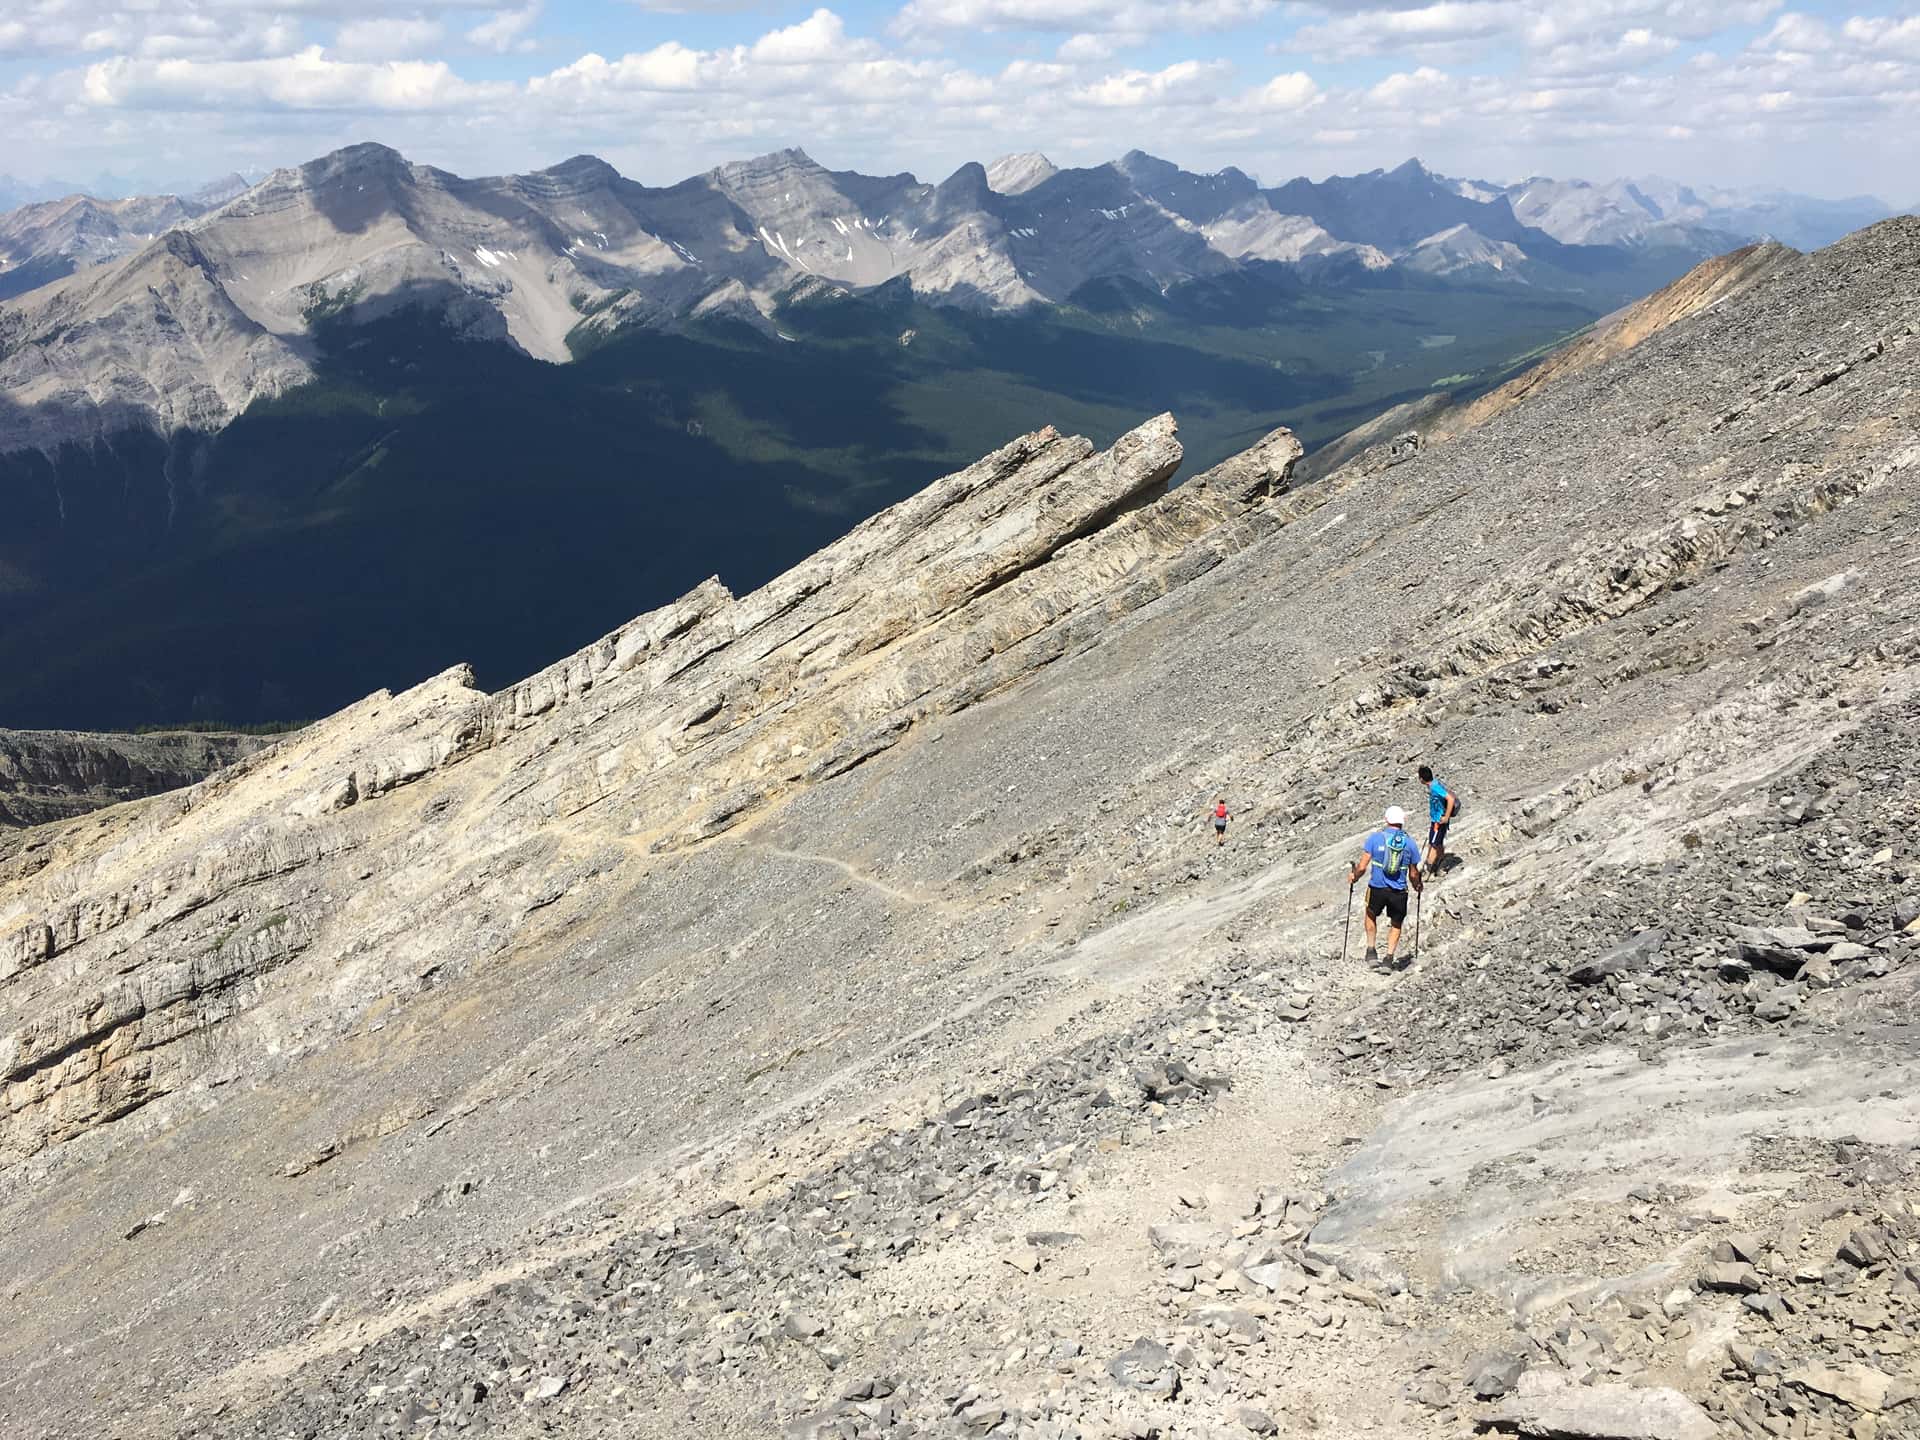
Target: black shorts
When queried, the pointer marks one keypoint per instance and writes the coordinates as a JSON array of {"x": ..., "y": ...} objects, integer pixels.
[
  {"x": 1394, "y": 902},
  {"x": 1437, "y": 834}
]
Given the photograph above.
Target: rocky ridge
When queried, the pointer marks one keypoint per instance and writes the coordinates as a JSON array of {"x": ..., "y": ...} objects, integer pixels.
[
  {"x": 1653, "y": 213},
  {"x": 40, "y": 243},
  {"x": 1441, "y": 415},
  {"x": 824, "y": 1009},
  {"x": 53, "y": 774}
]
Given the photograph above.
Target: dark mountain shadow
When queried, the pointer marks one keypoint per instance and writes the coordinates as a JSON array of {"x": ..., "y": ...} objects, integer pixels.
[{"x": 39, "y": 271}]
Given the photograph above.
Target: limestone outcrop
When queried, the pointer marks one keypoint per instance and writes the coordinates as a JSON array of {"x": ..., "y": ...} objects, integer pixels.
[{"x": 124, "y": 946}]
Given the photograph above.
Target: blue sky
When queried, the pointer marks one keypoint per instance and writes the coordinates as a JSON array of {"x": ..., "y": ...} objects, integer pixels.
[{"x": 1818, "y": 97}]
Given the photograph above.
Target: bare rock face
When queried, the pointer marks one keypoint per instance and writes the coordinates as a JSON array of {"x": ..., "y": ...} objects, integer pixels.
[
  {"x": 156, "y": 341},
  {"x": 1553, "y": 1407},
  {"x": 40, "y": 243},
  {"x": 1438, "y": 417},
  {"x": 1016, "y": 174},
  {"x": 52, "y": 774},
  {"x": 688, "y": 722}
]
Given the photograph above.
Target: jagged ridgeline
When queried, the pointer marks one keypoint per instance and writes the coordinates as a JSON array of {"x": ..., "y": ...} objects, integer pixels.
[{"x": 368, "y": 417}]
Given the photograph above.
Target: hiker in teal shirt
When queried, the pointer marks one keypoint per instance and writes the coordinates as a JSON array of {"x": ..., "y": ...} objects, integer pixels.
[{"x": 1442, "y": 805}]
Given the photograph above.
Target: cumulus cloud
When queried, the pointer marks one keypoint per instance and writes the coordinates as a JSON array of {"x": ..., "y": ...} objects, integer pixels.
[
  {"x": 1453, "y": 31},
  {"x": 308, "y": 80},
  {"x": 821, "y": 36},
  {"x": 1188, "y": 82},
  {"x": 1293, "y": 91},
  {"x": 1080, "y": 17},
  {"x": 202, "y": 29},
  {"x": 1474, "y": 86},
  {"x": 386, "y": 39},
  {"x": 1092, "y": 49},
  {"x": 1425, "y": 86},
  {"x": 506, "y": 30},
  {"x": 1454, "y": 27}
]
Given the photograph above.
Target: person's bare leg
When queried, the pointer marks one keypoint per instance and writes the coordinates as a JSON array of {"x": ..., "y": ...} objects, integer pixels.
[
  {"x": 1393, "y": 940},
  {"x": 1370, "y": 932}
]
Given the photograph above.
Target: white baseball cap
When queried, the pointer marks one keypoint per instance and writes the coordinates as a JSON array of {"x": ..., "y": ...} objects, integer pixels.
[{"x": 1396, "y": 816}]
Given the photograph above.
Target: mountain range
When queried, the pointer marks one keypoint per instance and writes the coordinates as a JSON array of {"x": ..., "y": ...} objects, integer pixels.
[
  {"x": 537, "y": 259},
  {"x": 237, "y": 429}
]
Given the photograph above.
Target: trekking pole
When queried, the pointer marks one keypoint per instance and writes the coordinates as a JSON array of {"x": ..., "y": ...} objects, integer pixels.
[
  {"x": 1347, "y": 929},
  {"x": 1416, "y": 921}
]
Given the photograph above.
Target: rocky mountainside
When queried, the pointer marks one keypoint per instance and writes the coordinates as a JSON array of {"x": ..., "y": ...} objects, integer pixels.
[
  {"x": 822, "y": 1010},
  {"x": 52, "y": 775},
  {"x": 41, "y": 243},
  {"x": 1439, "y": 415}
]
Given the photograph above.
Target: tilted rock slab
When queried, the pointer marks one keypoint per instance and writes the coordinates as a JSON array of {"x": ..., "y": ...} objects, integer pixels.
[
  {"x": 1551, "y": 1405},
  {"x": 277, "y": 899}
]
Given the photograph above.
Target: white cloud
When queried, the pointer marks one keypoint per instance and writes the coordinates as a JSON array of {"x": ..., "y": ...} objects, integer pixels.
[
  {"x": 1593, "y": 87},
  {"x": 1188, "y": 82},
  {"x": 1885, "y": 36},
  {"x": 308, "y": 80},
  {"x": 195, "y": 29},
  {"x": 667, "y": 67},
  {"x": 506, "y": 30},
  {"x": 386, "y": 39},
  {"x": 1453, "y": 26},
  {"x": 1425, "y": 86},
  {"x": 820, "y": 37},
  {"x": 1294, "y": 91},
  {"x": 1457, "y": 31},
  {"x": 1797, "y": 33},
  {"x": 1092, "y": 49},
  {"x": 1564, "y": 21},
  {"x": 1079, "y": 17},
  {"x": 1632, "y": 52}
]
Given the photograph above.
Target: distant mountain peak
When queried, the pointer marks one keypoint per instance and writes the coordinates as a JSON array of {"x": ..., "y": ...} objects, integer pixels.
[
  {"x": 771, "y": 163},
  {"x": 583, "y": 167},
  {"x": 218, "y": 192},
  {"x": 1017, "y": 174},
  {"x": 366, "y": 159},
  {"x": 364, "y": 152},
  {"x": 967, "y": 186}
]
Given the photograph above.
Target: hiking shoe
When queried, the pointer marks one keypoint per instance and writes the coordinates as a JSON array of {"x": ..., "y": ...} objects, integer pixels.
[
  {"x": 1392, "y": 962},
  {"x": 1372, "y": 956}
]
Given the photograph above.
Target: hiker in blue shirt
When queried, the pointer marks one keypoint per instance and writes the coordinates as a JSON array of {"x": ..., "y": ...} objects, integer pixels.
[
  {"x": 1442, "y": 805},
  {"x": 1391, "y": 861}
]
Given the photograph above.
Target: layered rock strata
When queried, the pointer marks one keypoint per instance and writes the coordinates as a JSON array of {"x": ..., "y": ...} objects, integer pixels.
[{"x": 122, "y": 947}]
